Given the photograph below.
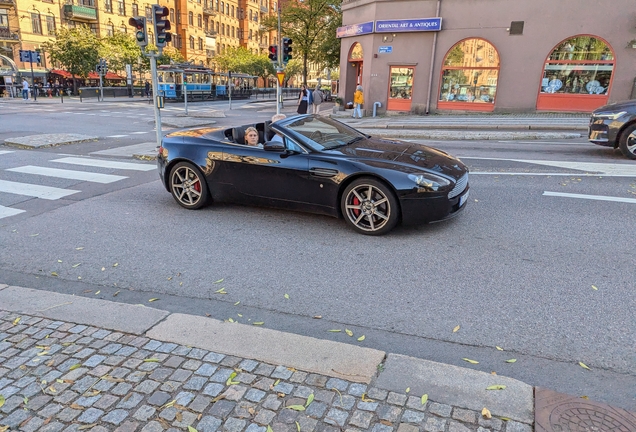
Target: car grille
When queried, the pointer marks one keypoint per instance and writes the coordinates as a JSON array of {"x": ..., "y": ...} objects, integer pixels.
[{"x": 459, "y": 186}]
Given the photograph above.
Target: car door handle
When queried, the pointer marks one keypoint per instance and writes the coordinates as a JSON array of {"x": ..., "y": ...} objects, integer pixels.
[{"x": 323, "y": 172}]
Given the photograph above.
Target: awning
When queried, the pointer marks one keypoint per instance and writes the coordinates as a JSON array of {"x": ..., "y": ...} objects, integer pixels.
[
  {"x": 61, "y": 73},
  {"x": 108, "y": 76}
]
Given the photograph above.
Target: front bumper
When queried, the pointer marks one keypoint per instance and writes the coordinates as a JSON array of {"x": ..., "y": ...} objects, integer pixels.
[
  {"x": 603, "y": 131},
  {"x": 432, "y": 209}
]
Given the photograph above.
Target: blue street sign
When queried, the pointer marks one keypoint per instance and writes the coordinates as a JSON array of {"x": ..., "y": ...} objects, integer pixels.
[
  {"x": 27, "y": 56},
  {"x": 385, "y": 49},
  {"x": 408, "y": 25},
  {"x": 355, "y": 29}
]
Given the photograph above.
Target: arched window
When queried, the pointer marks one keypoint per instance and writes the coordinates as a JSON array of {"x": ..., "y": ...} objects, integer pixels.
[
  {"x": 199, "y": 20},
  {"x": 172, "y": 15},
  {"x": 223, "y": 29},
  {"x": 232, "y": 31},
  {"x": 222, "y": 7},
  {"x": 577, "y": 75},
  {"x": 232, "y": 11},
  {"x": 469, "y": 76},
  {"x": 190, "y": 18},
  {"x": 191, "y": 42}
]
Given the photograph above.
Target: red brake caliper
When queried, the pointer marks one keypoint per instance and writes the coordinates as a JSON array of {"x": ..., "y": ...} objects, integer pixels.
[
  {"x": 356, "y": 201},
  {"x": 197, "y": 186}
]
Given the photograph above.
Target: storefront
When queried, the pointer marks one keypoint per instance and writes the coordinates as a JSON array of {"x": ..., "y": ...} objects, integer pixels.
[{"x": 479, "y": 60}]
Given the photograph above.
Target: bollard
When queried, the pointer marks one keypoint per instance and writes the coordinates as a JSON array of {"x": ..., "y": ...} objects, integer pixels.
[{"x": 376, "y": 105}]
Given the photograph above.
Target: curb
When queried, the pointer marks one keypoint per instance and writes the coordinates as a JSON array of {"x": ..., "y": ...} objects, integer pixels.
[
  {"x": 47, "y": 140},
  {"x": 468, "y": 135},
  {"x": 453, "y": 385}
]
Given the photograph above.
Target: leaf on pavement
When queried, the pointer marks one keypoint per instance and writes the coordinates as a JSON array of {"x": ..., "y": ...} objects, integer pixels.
[
  {"x": 269, "y": 429},
  {"x": 424, "y": 399},
  {"x": 115, "y": 265},
  {"x": 470, "y": 361},
  {"x": 258, "y": 323},
  {"x": 287, "y": 296},
  {"x": 53, "y": 273},
  {"x": 364, "y": 398},
  {"x": 59, "y": 261},
  {"x": 221, "y": 291},
  {"x": 219, "y": 281},
  {"x": 317, "y": 317},
  {"x": 75, "y": 366},
  {"x": 16, "y": 321},
  {"x": 2, "y": 400},
  {"x": 408, "y": 389},
  {"x": 79, "y": 248},
  {"x": 310, "y": 399},
  {"x": 496, "y": 387},
  {"x": 584, "y": 366},
  {"x": 298, "y": 426},
  {"x": 361, "y": 338},
  {"x": 594, "y": 288},
  {"x": 486, "y": 413},
  {"x": 456, "y": 329},
  {"x": 511, "y": 361},
  {"x": 191, "y": 429},
  {"x": 231, "y": 320},
  {"x": 76, "y": 265},
  {"x": 103, "y": 268},
  {"x": 499, "y": 348},
  {"x": 296, "y": 407},
  {"x": 153, "y": 299},
  {"x": 236, "y": 304},
  {"x": 151, "y": 360},
  {"x": 584, "y": 397},
  {"x": 335, "y": 330},
  {"x": 348, "y": 332},
  {"x": 35, "y": 235},
  {"x": 230, "y": 379},
  {"x": 97, "y": 292},
  {"x": 169, "y": 404}
]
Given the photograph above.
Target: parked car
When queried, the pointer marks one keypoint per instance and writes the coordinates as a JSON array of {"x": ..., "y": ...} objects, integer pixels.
[
  {"x": 614, "y": 125},
  {"x": 321, "y": 166}
]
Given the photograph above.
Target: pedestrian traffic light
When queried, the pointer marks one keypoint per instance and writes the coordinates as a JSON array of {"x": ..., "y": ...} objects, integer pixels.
[
  {"x": 139, "y": 23},
  {"x": 162, "y": 25},
  {"x": 273, "y": 53},
  {"x": 287, "y": 50}
]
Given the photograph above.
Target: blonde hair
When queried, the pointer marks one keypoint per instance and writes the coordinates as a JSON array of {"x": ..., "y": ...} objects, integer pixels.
[
  {"x": 250, "y": 129},
  {"x": 277, "y": 117}
]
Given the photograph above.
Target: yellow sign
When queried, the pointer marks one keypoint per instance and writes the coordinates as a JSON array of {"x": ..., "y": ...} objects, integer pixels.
[{"x": 281, "y": 78}]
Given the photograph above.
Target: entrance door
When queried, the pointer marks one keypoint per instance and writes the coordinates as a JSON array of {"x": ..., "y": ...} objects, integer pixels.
[{"x": 400, "y": 88}]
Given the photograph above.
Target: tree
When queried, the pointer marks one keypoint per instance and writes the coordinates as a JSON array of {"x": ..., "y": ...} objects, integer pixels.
[
  {"x": 292, "y": 68},
  {"x": 119, "y": 50},
  {"x": 76, "y": 49},
  {"x": 310, "y": 24},
  {"x": 240, "y": 59}
]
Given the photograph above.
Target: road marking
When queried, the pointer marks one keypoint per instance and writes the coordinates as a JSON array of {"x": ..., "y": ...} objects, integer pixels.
[
  {"x": 605, "y": 168},
  {"x": 32, "y": 190},
  {"x": 68, "y": 174},
  {"x": 5, "y": 152},
  {"x": 549, "y": 174},
  {"x": 116, "y": 136},
  {"x": 106, "y": 164},
  {"x": 8, "y": 211},
  {"x": 590, "y": 197},
  {"x": 139, "y": 133}
]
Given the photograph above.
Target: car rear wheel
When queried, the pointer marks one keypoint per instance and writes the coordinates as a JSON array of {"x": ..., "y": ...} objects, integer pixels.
[
  {"x": 370, "y": 207},
  {"x": 188, "y": 186},
  {"x": 627, "y": 143}
]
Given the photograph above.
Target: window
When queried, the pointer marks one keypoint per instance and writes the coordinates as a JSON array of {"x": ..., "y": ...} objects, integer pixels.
[
  {"x": 233, "y": 32},
  {"x": 110, "y": 29},
  {"x": 191, "y": 42},
  {"x": 135, "y": 9},
  {"x": 222, "y": 7},
  {"x": 50, "y": 25},
  {"x": 256, "y": 16},
  {"x": 148, "y": 13},
  {"x": 4, "y": 18},
  {"x": 250, "y": 14},
  {"x": 217, "y": 26},
  {"x": 108, "y": 6},
  {"x": 123, "y": 29},
  {"x": 199, "y": 20},
  {"x": 121, "y": 7},
  {"x": 250, "y": 36},
  {"x": 178, "y": 16},
  {"x": 207, "y": 24},
  {"x": 36, "y": 23},
  {"x": 223, "y": 29},
  {"x": 200, "y": 44},
  {"x": 227, "y": 9},
  {"x": 172, "y": 15},
  {"x": 190, "y": 18},
  {"x": 217, "y": 5},
  {"x": 469, "y": 76},
  {"x": 232, "y": 11}
]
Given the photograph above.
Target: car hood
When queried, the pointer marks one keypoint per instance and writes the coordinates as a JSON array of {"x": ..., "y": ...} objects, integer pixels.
[
  {"x": 629, "y": 106},
  {"x": 411, "y": 157}
]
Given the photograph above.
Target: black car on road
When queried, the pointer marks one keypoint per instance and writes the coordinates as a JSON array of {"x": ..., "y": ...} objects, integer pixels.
[
  {"x": 318, "y": 165},
  {"x": 614, "y": 125}
]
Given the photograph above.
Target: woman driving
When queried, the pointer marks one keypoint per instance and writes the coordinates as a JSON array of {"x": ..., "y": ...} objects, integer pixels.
[{"x": 251, "y": 137}]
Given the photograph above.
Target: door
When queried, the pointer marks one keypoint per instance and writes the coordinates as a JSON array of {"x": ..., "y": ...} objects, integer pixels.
[{"x": 400, "y": 88}]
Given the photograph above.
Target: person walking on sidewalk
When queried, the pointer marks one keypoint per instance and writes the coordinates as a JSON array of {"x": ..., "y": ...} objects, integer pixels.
[
  {"x": 25, "y": 89},
  {"x": 304, "y": 99},
  {"x": 318, "y": 98},
  {"x": 147, "y": 88},
  {"x": 358, "y": 100}
]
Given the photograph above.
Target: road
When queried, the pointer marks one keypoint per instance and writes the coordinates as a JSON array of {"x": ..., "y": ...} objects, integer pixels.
[{"x": 540, "y": 264}]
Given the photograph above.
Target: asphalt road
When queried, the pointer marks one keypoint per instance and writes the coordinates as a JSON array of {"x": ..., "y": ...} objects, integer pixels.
[{"x": 537, "y": 265}]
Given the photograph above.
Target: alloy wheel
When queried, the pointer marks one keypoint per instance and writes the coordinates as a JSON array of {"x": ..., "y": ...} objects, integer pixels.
[
  {"x": 367, "y": 207},
  {"x": 186, "y": 186}
]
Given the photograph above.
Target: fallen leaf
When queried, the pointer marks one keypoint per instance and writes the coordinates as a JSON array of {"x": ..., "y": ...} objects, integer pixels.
[
  {"x": 59, "y": 261},
  {"x": 35, "y": 235},
  {"x": 594, "y": 288},
  {"x": 97, "y": 292},
  {"x": 386, "y": 423},
  {"x": 151, "y": 360},
  {"x": 251, "y": 410},
  {"x": 230, "y": 379},
  {"x": 335, "y": 330},
  {"x": 76, "y": 406},
  {"x": 219, "y": 281},
  {"x": 584, "y": 366},
  {"x": 169, "y": 277},
  {"x": 117, "y": 292},
  {"x": 230, "y": 320},
  {"x": 496, "y": 387},
  {"x": 16, "y": 321},
  {"x": 511, "y": 361},
  {"x": 408, "y": 389},
  {"x": 207, "y": 315},
  {"x": 361, "y": 338},
  {"x": 236, "y": 304},
  {"x": 364, "y": 398},
  {"x": 178, "y": 416},
  {"x": 296, "y": 407},
  {"x": 424, "y": 399},
  {"x": 486, "y": 413},
  {"x": 54, "y": 274},
  {"x": 504, "y": 418},
  {"x": 221, "y": 291},
  {"x": 75, "y": 366},
  {"x": 269, "y": 429},
  {"x": 499, "y": 348},
  {"x": 88, "y": 426},
  {"x": 584, "y": 397},
  {"x": 348, "y": 332},
  {"x": 456, "y": 329},
  {"x": 191, "y": 429},
  {"x": 2, "y": 400},
  {"x": 470, "y": 361},
  {"x": 276, "y": 382},
  {"x": 258, "y": 323},
  {"x": 287, "y": 296},
  {"x": 79, "y": 248},
  {"x": 115, "y": 265},
  {"x": 169, "y": 404},
  {"x": 153, "y": 299},
  {"x": 52, "y": 389},
  {"x": 76, "y": 265},
  {"x": 317, "y": 316},
  {"x": 42, "y": 353},
  {"x": 298, "y": 426},
  {"x": 103, "y": 268},
  {"x": 310, "y": 399}
]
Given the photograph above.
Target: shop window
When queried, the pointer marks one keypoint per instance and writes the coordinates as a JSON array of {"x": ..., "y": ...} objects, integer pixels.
[
  {"x": 469, "y": 76},
  {"x": 400, "y": 88},
  {"x": 356, "y": 52},
  {"x": 577, "y": 75}
]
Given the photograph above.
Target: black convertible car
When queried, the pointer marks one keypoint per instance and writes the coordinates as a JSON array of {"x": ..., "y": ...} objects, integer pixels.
[{"x": 315, "y": 164}]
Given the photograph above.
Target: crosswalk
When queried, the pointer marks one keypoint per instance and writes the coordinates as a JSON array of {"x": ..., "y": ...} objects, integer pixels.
[{"x": 27, "y": 179}]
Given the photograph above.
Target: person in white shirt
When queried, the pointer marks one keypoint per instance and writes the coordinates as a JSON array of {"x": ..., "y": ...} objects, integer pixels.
[{"x": 25, "y": 89}]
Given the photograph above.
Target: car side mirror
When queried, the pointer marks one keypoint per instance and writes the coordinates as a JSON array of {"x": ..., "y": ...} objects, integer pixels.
[{"x": 274, "y": 146}]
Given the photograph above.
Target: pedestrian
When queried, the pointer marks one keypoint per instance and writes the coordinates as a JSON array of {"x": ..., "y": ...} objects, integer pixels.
[
  {"x": 147, "y": 89},
  {"x": 303, "y": 100},
  {"x": 25, "y": 89},
  {"x": 358, "y": 101},
  {"x": 318, "y": 98}
]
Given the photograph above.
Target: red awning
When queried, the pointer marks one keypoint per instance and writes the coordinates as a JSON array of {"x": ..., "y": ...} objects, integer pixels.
[
  {"x": 61, "y": 73},
  {"x": 108, "y": 76}
]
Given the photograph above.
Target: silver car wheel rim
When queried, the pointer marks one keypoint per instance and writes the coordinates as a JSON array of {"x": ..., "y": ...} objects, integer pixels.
[
  {"x": 631, "y": 143},
  {"x": 186, "y": 185},
  {"x": 367, "y": 207}
]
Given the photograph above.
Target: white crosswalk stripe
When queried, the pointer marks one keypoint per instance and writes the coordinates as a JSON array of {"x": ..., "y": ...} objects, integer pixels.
[
  {"x": 8, "y": 211},
  {"x": 33, "y": 190},
  {"x": 68, "y": 174},
  {"x": 106, "y": 164},
  {"x": 5, "y": 152}
]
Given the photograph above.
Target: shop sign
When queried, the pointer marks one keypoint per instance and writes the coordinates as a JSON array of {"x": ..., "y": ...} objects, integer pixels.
[
  {"x": 385, "y": 49},
  {"x": 355, "y": 29},
  {"x": 408, "y": 25}
]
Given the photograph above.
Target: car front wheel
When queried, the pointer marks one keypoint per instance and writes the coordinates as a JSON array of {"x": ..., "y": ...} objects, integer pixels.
[
  {"x": 370, "y": 207},
  {"x": 188, "y": 186},
  {"x": 627, "y": 143}
]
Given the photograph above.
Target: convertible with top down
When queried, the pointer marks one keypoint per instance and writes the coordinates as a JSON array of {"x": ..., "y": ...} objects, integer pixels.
[{"x": 318, "y": 165}]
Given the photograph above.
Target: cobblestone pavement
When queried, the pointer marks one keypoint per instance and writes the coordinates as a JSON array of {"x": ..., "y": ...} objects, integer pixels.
[{"x": 58, "y": 376}]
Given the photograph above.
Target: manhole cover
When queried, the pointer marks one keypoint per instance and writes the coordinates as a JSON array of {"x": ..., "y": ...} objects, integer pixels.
[{"x": 558, "y": 412}]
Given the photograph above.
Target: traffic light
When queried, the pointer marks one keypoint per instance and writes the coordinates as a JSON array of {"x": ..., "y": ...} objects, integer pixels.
[
  {"x": 139, "y": 23},
  {"x": 287, "y": 50},
  {"x": 162, "y": 25},
  {"x": 273, "y": 53}
]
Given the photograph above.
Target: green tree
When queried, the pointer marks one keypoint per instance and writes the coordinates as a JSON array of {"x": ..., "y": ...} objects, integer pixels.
[
  {"x": 76, "y": 49},
  {"x": 119, "y": 50},
  {"x": 240, "y": 59},
  {"x": 292, "y": 68},
  {"x": 310, "y": 24}
]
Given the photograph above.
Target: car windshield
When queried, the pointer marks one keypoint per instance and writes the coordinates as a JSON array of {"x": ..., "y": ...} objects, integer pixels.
[{"x": 323, "y": 133}]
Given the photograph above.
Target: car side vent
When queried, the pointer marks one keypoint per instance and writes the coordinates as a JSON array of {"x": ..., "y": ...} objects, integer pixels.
[{"x": 516, "y": 28}]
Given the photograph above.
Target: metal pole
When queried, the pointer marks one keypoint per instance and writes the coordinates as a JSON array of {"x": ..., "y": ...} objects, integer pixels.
[
  {"x": 101, "y": 87},
  {"x": 155, "y": 93},
  {"x": 229, "y": 87},
  {"x": 430, "y": 72},
  {"x": 279, "y": 96},
  {"x": 35, "y": 89},
  {"x": 185, "y": 90}
]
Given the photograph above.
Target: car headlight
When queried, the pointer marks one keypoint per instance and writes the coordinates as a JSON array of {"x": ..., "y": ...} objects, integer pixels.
[
  {"x": 429, "y": 181},
  {"x": 610, "y": 115}
]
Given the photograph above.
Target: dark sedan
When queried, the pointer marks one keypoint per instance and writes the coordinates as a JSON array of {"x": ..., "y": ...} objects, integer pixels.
[
  {"x": 319, "y": 165},
  {"x": 614, "y": 125}
]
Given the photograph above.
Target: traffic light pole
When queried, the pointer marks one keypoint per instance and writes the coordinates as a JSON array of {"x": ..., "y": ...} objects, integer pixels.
[
  {"x": 155, "y": 94},
  {"x": 101, "y": 87},
  {"x": 279, "y": 96}
]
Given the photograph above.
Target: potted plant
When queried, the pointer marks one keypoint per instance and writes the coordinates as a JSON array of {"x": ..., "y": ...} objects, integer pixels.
[{"x": 339, "y": 103}]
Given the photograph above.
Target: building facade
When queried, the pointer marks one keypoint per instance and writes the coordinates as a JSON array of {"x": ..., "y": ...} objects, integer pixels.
[
  {"x": 200, "y": 28},
  {"x": 495, "y": 55}
]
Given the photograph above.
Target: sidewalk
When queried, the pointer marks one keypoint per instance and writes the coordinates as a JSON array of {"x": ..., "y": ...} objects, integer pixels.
[{"x": 71, "y": 363}]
